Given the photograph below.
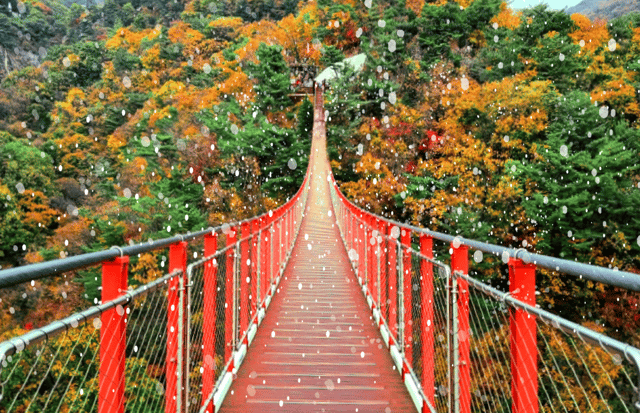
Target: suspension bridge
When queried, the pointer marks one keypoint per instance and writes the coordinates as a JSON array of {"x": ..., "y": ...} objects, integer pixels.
[{"x": 317, "y": 306}]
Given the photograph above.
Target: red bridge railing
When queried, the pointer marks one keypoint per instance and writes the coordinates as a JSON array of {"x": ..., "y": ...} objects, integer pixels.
[
  {"x": 172, "y": 342},
  {"x": 463, "y": 346}
]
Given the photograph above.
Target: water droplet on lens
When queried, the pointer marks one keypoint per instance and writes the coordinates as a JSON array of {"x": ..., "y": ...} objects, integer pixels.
[
  {"x": 392, "y": 45},
  {"x": 603, "y": 111},
  {"x": 564, "y": 151}
]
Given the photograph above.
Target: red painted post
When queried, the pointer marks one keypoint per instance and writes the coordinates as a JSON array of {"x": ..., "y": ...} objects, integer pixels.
[
  {"x": 353, "y": 228},
  {"x": 288, "y": 231},
  {"x": 524, "y": 366},
  {"x": 382, "y": 225},
  {"x": 113, "y": 337},
  {"x": 405, "y": 235},
  {"x": 356, "y": 237},
  {"x": 342, "y": 218},
  {"x": 294, "y": 214},
  {"x": 292, "y": 225},
  {"x": 285, "y": 246},
  {"x": 392, "y": 290},
  {"x": 255, "y": 227},
  {"x": 374, "y": 261},
  {"x": 346, "y": 225},
  {"x": 298, "y": 213},
  {"x": 367, "y": 246},
  {"x": 280, "y": 237},
  {"x": 244, "y": 274},
  {"x": 176, "y": 356},
  {"x": 285, "y": 234},
  {"x": 384, "y": 266},
  {"x": 289, "y": 227},
  {"x": 389, "y": 245},
  {"x": 427, "y": 319},
  {"x": 275, "y": 240},
  {"x": 229, "y": 339},
  {"x": 268, "y": 240},
  {"x": 365, "y": 250},
  {"x": 371, "y": 222},
  {"x": 460, "y": 262},
  {"x": 209, "y": 318},
  {"x": 278, "y": 244},
  {"x": 359, "y": 244},
  {"x": 263, "y": 257}
]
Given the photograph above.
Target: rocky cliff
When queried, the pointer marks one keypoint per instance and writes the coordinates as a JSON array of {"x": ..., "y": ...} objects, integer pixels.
[{"x": 17, "y": 59}]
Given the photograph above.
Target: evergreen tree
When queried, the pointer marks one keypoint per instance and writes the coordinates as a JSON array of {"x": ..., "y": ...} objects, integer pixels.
[
  {"x": 581, "y": 186},
  {"x": 540, "y": 20},
  {"x": 346, "y": 107},
  {"x": 273, "y": 76},
  {"x": 259, "y": 152},
  {"x": 290, "y": 166},
  {"x": 331, "y": 55},
  {"x": 557, "y": 59},
  {"x": 621, "y": 28},
  {"x": 501, "y": 56},
  {"x": 441, "y": 25}
]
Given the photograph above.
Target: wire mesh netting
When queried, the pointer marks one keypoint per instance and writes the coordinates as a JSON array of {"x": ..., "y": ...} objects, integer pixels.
[
  {"x": 577, "y": 376},
  {"x": 62, "y": 372},
  {"x": 59, "y": 372},
  {"x": 146, "y": 351},
  {"x": 574, "y": 374},
  {"x": 206, "y": 327},
  {"x": 430, "y": 328},
  {"x": 489, "y": 353}
]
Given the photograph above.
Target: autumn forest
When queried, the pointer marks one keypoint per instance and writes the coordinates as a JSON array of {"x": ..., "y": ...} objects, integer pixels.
[{"x": 141, "y": 120}]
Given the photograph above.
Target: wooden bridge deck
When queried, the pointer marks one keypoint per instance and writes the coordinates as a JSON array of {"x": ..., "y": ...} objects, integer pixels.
[{"x": 318, "y": 348}]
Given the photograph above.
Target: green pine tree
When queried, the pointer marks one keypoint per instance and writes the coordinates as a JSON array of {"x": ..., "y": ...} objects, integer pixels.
[
  {"x": 581, "y": 186},
  {"x": 273, "y": 76}
]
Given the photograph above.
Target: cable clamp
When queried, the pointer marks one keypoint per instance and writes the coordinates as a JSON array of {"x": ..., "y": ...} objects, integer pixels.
[
  {"x": 524, "y": 251},
  {"x": 115, "y": 247}
]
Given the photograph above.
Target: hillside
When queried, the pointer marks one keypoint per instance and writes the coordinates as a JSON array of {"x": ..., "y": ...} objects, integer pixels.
[
  {"x": 28, "y": 30},
  {"x": 605, "y": 9},
  {"x": 152, "y": 118}
]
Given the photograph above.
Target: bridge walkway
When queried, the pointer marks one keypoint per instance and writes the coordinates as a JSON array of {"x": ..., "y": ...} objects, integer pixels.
[{"x": 318, "y": 348}]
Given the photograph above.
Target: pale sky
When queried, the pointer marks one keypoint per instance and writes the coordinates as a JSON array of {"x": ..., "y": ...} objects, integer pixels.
[{"x": 553, "y": 4}]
